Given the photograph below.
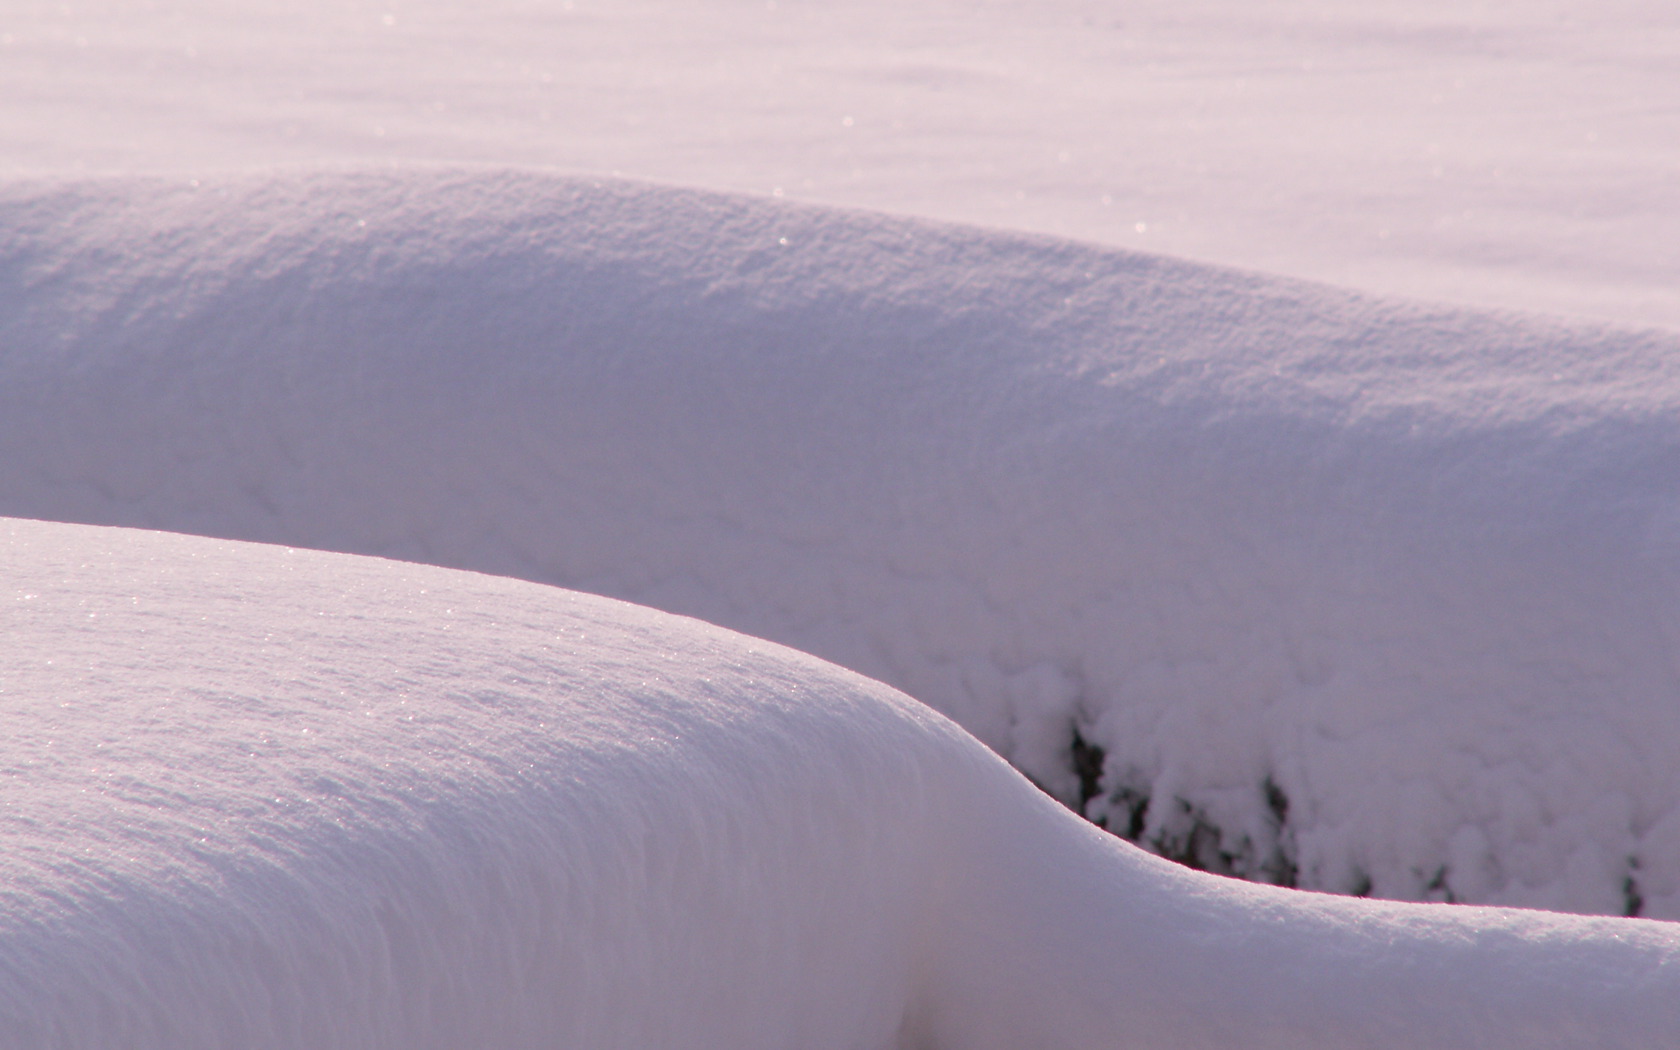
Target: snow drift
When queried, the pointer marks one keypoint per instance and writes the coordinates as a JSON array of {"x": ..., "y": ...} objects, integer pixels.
[
  {"x": 270, "y": 798},
  {"x": 1283, "y": 581}
]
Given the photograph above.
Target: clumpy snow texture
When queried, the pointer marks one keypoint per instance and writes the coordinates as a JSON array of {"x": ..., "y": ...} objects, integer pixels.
[
  {"x": 273, "y": 798},
  {"x": 1282, "y": 581}
]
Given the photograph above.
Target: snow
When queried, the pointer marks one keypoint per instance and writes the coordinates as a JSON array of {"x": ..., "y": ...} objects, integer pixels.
[
  {"x": 1512, "y": 153},
  {"x": 267, "y": 797},
  {"x": 1256, "y": 424},
  {"x": 1380, "y": 597}
]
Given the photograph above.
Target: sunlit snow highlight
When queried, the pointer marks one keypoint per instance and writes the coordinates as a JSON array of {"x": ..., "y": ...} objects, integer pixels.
[{"x": 270, "y": 798}]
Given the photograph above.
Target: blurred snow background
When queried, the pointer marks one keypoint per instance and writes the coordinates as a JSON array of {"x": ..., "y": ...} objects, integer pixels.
[{"x": 1515, "y": 153}]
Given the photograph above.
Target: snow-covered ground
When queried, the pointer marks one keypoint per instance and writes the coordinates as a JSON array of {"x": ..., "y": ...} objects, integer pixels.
[
  {"x": 263, "y": 797},
  {"x": 1517, "y": 153},
  {"x": 1361, "y": 596},
  {"x": 1311, "y": 583}
]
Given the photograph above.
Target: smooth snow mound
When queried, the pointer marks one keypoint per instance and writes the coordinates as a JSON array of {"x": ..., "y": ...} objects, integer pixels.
[
  {"x": 1517, "y": 154},
  {"x": 269, "y": 798},
  {"x": 1287, "y": 582}
]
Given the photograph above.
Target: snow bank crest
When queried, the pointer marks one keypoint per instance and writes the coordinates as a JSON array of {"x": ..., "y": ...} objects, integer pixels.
[
  {"x": 273, "y": 798},
  {"x": 1304, "y": 586}
]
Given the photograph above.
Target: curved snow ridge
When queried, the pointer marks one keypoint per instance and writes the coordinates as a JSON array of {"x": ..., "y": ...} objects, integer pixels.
[
  {"x": 1360, "y": 595},
  {"x": 274, "y": 798}
]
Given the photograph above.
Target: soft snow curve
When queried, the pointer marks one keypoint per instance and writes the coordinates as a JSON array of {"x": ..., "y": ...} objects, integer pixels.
[
  {"x": 1362, "y": 595},
  {"x": 272, "y": 798}
]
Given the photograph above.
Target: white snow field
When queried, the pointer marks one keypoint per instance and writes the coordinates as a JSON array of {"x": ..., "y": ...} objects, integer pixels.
[
  {"x": 260, "y": 797},
  {"x": 1354, "y": 595},
  {"x": 1514, "y": 153},
  {"x": 671, "y": 301}
]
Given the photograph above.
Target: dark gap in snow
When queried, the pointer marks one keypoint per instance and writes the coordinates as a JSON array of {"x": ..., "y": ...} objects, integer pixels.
[
  {"x": 1438, "y": 884},
  {"x": 1277, "y": 803},
  {"x": 1189, "y": 836},
  {"x": 1279, "y": 868},
  {"x": 1088, "y": 760},
  {"x": 1136, "y": 805},
  {"x": 1633, "y": 901}
]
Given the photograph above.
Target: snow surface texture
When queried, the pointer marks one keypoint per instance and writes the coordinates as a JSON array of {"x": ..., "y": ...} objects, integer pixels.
[
  {"x": 1361, "y": 596},
  {"x": 1512, "y": 153},
  {"x": 268, "y": 798}
]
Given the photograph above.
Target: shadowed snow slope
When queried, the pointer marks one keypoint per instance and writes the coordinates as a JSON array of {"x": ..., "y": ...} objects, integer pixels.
[
  {"x": 1362, "y": 595},
  {"x": 272, "y": 798}
]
